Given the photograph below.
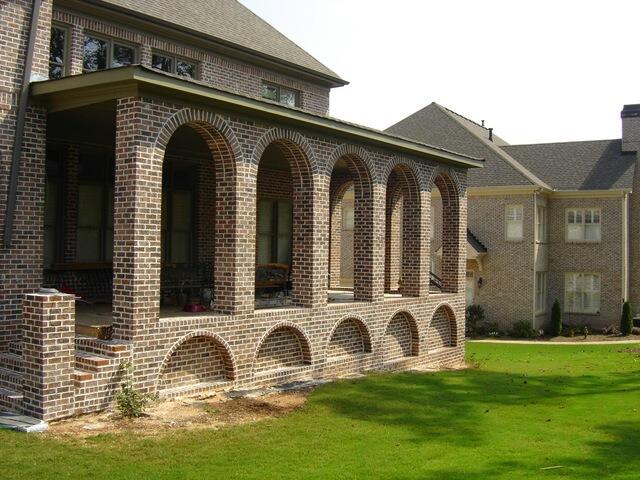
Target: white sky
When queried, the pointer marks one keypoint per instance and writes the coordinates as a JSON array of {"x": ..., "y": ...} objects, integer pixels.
[{"x": 536, "y": 71}]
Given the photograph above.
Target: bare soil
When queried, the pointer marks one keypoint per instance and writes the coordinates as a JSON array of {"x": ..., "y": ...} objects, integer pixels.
[{"x": 182, "y": 413}]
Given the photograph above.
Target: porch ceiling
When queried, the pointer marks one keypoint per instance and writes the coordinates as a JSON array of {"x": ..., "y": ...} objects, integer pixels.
[{"x": 135, "y": 80}]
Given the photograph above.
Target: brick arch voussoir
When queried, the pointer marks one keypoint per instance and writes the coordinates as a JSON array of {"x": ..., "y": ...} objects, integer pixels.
[
  {"x": 365, "y": 331},
  {"x": 361, "y": 165},
  {"x": 303, "y": 338},
  {"x": 228, "y": 357},
  {"x": 453, "y": 322},
  {"x": 295, "y": 146},
  {"x": 409, "y": 172}
]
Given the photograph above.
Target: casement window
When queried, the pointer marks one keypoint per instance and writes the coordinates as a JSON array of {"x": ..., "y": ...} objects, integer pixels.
[
  {"x": 513, "y": 222},
  {"x": 275, "y": 229},
  {"x": 583, "y": 225},
  {"x": 541, "y": 292},
  {"x": 541, "y": 224},
  {"x": 283, "y": 95},
  {"x": 101, "y": 53},
  {"x": 178, "y": 220},
  {"x": 58, "y": 51},
  {"x": 582, "y": 293},
  {"x": 176, "y": 65}
]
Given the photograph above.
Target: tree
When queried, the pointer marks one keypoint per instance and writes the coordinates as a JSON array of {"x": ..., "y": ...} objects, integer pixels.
[
  {"x": 626, "y": 322},
  {"x": 556, "y": 320}
]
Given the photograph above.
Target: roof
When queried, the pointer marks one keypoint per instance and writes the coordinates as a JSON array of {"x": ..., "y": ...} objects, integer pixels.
[
  {"x": 475, "y": 243},
  {"x": 588, "y": 165},
  {"x": 437, "y": 125},
  {"x": 135, "y": 80},
  {"x": 226, "y": 21}
]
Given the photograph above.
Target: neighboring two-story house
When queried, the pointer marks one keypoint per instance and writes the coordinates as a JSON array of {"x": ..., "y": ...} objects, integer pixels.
[
  {"x": 169, "y": 173},
  {"x": 558, "y": 221}
]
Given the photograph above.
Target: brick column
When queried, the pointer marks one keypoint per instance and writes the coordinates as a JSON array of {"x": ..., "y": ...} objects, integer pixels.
[
  {"x": 378, "y": 238},
  {"x": 137, "y": 212},
  {"x": 76, "y": 50},
  {"x": 48, "y": 355}
]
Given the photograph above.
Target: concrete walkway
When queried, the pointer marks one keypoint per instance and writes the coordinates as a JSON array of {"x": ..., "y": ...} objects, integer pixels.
[{"x": 546, "y": 342}]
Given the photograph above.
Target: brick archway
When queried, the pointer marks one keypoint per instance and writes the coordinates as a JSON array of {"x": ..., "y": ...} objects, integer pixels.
[
  {"x": 443, "y": 328},
  {"x": 401, "y": 337},
  {"x": 349, "y": 336},
  {"x": 284, "y": 345}
]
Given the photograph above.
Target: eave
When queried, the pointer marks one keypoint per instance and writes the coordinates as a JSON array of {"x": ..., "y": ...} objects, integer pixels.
[{"x": 137, "y": 81}]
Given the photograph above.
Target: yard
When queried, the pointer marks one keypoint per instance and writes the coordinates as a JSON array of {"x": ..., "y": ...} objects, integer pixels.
[{"x": 521, "y": 410}]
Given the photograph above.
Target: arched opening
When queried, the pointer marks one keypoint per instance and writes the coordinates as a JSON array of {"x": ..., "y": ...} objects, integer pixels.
[
  {"x": 284, "y": 233},
  {"x": 350, "y": 231},
  {"x": 445, "y": 236},
  {"x": 402, "y": 233},
  {"x": 200, "y": 361},
  {"x": 400, "y": 338},
  {"x": 198, "y": 206},
  {"x": 349, "y": 338},
  {"x": 284, "y": 348},
  {"x": 442, "y": 329}
]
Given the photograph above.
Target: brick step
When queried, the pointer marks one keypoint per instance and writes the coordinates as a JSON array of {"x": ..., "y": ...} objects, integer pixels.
[
  {"x": 15, "y": 348},
  {"x": 108, "y": 348},
  {"x": 10, "y": 380},
  {"x": 80, "y": 375},
  {"x": 10, "y": 399},
  {"x": 11, "y": 361},
  {"x": 101, "y": 332},
  {"x": 92, "y": 362},
  {"x": 195, "y": 389}
]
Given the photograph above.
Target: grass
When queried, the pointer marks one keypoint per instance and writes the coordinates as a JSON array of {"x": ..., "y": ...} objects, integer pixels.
[{"x": 522, "y": 409}]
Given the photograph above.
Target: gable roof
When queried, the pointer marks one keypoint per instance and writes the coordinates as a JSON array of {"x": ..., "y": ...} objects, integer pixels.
[
  {"x": 589, "y": 165},
  {"x": 226, "y": 21},
  {"x": 437, "y": 125}
]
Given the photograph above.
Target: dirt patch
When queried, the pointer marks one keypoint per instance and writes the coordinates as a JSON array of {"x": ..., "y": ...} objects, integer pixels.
[
  {"x": 185, "y": 413},
  {"x": 578, "y": 338}
]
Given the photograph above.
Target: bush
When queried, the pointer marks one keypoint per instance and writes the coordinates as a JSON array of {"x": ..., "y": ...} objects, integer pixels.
[
  {"x": 474, "y": 316},
  {"x": 523, "y": 330},
  {"x": 130, "y": 402},
  {"x": 635, "y": 331},
  {"x": 626, "y": 322},
  {"x": 489, "y": 329},
  {"x": 555, "y": 328}
]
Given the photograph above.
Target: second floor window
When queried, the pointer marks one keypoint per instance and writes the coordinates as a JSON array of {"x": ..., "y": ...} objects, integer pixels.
[
  {"x": 582, "y": 293},
  {"x": 101, "y": 53},
  {"x": 58, "y": 52},
  {"x": 283, "y": 95},
  {"x": 583, "y": 225},
  {"x": 513, "y": 220},
  {"x": 177, "y": 66}
]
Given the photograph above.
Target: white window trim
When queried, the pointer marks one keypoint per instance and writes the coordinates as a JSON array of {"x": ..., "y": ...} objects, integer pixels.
[
  {"x": 581, "y": 310},
  {"x": 506, "y": 223},
  {"x": 582, "y": 212},
  {"x": 540, "y": 309}
]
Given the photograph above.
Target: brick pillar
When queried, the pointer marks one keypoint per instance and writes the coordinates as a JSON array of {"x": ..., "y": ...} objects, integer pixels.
[
  {"x": 312, "y": 276},
  {"x": 137, "y": 217},
  {"x": 378, "y": 239},
  {"x": 76, "y": 50},
  {"x": 71, "y": 164},
  {"x": 48, "y": 355}
]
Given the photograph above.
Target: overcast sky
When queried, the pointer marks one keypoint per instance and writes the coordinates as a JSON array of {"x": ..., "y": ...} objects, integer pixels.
[{"x": 536, "y": 71}]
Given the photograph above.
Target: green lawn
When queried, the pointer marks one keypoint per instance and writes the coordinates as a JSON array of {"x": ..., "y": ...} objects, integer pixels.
[{"x": 522, "y": 409}]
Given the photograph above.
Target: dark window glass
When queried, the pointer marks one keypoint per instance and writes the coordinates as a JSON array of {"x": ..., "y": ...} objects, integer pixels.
[
  {"x": 57, "y": 53},
  {"x": 288, "y": 97},
  {"x": 282, "y": 95},
  {"x": 123, "y": 55},
  {"x": 185, "y": 69},
  {"x": 161, "y": 62},
  {"x": 95, "y": 54},
  {"x": 270, "y": 92},
  {"x": 274, "y": 231}
]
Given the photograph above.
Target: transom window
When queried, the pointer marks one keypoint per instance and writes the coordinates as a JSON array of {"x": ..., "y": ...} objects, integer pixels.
[
  {"x": 101, "y": 53},
  {"x": 583, "y": 225},
  {"x": 582, "y": 293},
  {"x": 513, "y": 221},
  {"x": 176, "y": 65},
  {"x": 541, "y": 225},
  {"x": 541, "y": 292},
  {"x": 283, "y": 95},
  {"x": 58, "y": 52}
]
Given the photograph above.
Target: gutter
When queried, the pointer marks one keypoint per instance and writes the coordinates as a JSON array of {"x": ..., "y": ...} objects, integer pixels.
[{"x": 12, "y": 192}]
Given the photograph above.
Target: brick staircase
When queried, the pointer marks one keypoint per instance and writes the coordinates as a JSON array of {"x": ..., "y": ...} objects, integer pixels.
[{"x": 11, "y": 378}]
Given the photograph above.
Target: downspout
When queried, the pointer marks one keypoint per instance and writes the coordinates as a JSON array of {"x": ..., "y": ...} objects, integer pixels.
[
  {"x": 20, "y": 121},
  {"x": 625, "y": 247}
]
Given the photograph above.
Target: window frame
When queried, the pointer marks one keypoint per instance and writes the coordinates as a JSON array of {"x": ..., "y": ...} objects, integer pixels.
[
  {"x": 581, "y": 309},
  {"x": 542, "y": 279},
  {"x": 111, "y": 42},
  {"x": 583, "y": 223},
  {"x": 174, "y": 64},
  {"x": 275, "y": 233},
  {"x": 66, "y": 61},
  {"x": 298, "y": 93},
  {"x": 542, "y": 224},
  {"x": 507, "y": 221},
  {"x": 167, "y": 230}
]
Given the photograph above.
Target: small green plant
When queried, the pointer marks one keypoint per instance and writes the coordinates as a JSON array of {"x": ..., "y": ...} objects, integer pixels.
[
  {"x": 474, "y": 316},
  {"x": 130, "y": 402},
  {"x": 555, "y": 328},
  {"x": 626, "y": 322},
  {"x": 523, "y": 329},
  {"x": 489, "y": 329}
]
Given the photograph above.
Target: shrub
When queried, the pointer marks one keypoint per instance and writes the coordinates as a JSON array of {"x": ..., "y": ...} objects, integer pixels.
[
  {"x": 474, "y": 316},
  {"x": 489, "y": 329},
  {"x": 555, "y": 328},
  {"x": 626, "y": 322},
  {"x": 130, "y": 402},
  {"x": 523, "y": 329},
  {"x": 635, "y": 331}
]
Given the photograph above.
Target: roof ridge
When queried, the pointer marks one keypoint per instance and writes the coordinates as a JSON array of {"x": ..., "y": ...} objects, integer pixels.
[
  {"x": 461, "y": 116},
  {"x": 560, "y": 143}
]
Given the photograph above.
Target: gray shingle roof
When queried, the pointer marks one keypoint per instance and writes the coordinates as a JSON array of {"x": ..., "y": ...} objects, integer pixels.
[
  {"x": 436, "y": 125},
  {"x": 589, "y": 165},
  {"x": 229, "y": 21}
]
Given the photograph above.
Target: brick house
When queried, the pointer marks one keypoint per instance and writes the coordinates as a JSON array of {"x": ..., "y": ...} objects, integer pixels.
[
  {"x": 557, "y": 220},
  {"x": 171, "y": 177}
]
